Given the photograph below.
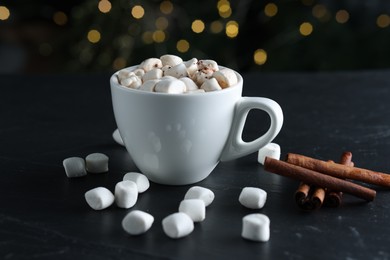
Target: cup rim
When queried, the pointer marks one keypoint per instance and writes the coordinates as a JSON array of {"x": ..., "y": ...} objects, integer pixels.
[{"x": 115, "y": 83}]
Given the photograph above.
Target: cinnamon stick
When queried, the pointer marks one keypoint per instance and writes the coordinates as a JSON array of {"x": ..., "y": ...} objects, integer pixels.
[
  {"x": 317, "y": 198},
  {"x": 334, "y": 198},
  {"x": 339, "y": 170},
  {"x": 315, "y": 178},
  {"x": 302, "y": 197}
]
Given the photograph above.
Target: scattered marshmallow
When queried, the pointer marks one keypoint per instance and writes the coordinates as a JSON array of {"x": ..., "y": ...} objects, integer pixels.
[
  {"x": 195, "y": 208},
  {"x": 225, "y": 77},
  {"x": 253, "y": 198},
  {"x": 137, "y": 222},
  {"x": 255, "y": 227},
  {"x": 126, "y": 194},
  {"x": 124, "y": 74},
  {"x": 197, "y": 192},
  {"x": 271, "y": 150},
  {"x": 74, "y": 167},
  {"x": 199, "y": 77},
  {"x": 117, "y": 137},
  {"x": 138, "y": 178},
  {"x": 139, "y": 72},
  {"x": 177, "y": 225},
  {"x": 170, "y": 86},
  {"x": 132, "y": 82},
  {"x": 99, "y": 198},
  {"x": 96, "y": 163},
  {"x": 170, "y": 60},
  {"x": 210, "y": 85}
]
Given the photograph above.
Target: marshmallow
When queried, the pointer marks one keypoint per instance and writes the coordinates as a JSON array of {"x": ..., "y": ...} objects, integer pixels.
[
  {"x": 225, "y": 77},
  {"x": 199, "y": 77},
  {"x": 207, "y": 65},
  {"x": 253, "y": 198},
  {"x": 74, "y": 167},
  {"x": 177, "y": 225},
  {"x": 137, "y": 222},
  {"x": 99, "y": 198},
  {"x": 149, "y": 85},
  {"x": 271, "y": 150},
  {"x": 139, "y": 72},
  {"x": 170, "y": 86},
  {"x": 150, "y": 64},
  {"x": 191, "y": 65},
  {"x": 117, "y": 137},
  {"x": 177, "y": 71},
  {"x": 210, "y": 85},
  {"x": 126, "y": 194},
  {"x": 170, "y": 60},
  {"x": 152, "y": 74},
  {"x": 124, "y": 74},
  {"x": 165, "y": 69},
  {"x": 194, "y": 208},
  {"x": 197, "y": 192},
  {"x": 255, "y": 227},
  {"x": 139, "y": 179},
  {"x": 190, "y": 84},
  {"x": 132, "y": 82},
  {"x": 96, "y": 163}
]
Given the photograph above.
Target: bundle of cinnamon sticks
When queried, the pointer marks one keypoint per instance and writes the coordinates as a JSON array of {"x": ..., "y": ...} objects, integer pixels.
[{"x": 324, "y": 182}]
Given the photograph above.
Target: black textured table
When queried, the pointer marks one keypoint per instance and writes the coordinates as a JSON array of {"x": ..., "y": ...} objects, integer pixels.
[{"x": 43, "y": 214}]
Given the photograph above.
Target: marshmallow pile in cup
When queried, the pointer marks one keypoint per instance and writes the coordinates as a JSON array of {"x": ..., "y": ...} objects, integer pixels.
[{"x": 170, "y": 74}]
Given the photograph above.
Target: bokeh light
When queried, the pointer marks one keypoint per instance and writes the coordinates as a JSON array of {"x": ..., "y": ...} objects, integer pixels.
[
  {"x": 306, "y": 29},
  {"x": 383, "y": 21},
  {"x": 260, "y": 56},
  {"x": 197, "y": 26},
  {"x": 231, "y": 29},
  {"x": 93, "y": 36},
  {"x": 216, "y": 27},
  {"x": 182, "y": 45},
  {"x": 161, "y": 23},
  {"x": 60, "y": 18},
  {"x": 159, "y": 36},
  {"x": 270, "y": 9},
  {"x": 342, "y": 16},
  {"x": 137, "y": 11},
  {"x": 104, "y": 6},
  {"x": 4, "y": 13},
  {"x": 166, "y": 7}
]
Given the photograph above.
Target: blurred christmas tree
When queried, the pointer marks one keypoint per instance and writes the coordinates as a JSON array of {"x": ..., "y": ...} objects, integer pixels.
[{"x": 105, "y": 35}]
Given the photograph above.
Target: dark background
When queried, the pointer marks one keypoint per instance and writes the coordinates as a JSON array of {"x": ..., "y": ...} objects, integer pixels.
[{"x": 51, "y": 36}]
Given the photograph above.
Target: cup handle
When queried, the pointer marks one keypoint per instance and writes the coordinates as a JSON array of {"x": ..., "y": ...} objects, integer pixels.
[{"x": 235, "y": 147}]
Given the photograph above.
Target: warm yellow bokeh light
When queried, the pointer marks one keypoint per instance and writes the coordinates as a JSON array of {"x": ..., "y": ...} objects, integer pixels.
[
  {"x": 119, "y": 63},
  {"x": 216, "y": 27},
  {"x": 305, "y": 29},
  {"x": 342, "y": 16},
  {"x": 60, "y": 18},
  {"x": 231, "y": 29},
  {"x": 383, "y": 21},
  {"x": 162, "y": 23},
  {"x": 166, "y": 7},
  {"x": 197, "y": 26},
  {"x": 4, "y": 13},
  {"x": 104, "y": 6},
  {"x": 93, "y": 36},
  {"x": 147, "y": 37},
  {"x": 182, "y": 45},
  {"x": 260, "y": 57},
  {"x": 270, "y": 9},
  {"x": 137, "y": 12},
  {"x": 158, "y": 36},
  {"x": 319, "y": 11},
  {"x": 222, "y": 2}
]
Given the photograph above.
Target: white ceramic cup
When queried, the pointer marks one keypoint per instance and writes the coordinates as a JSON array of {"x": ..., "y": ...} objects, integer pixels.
[{"x": 178, "y": 139}]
